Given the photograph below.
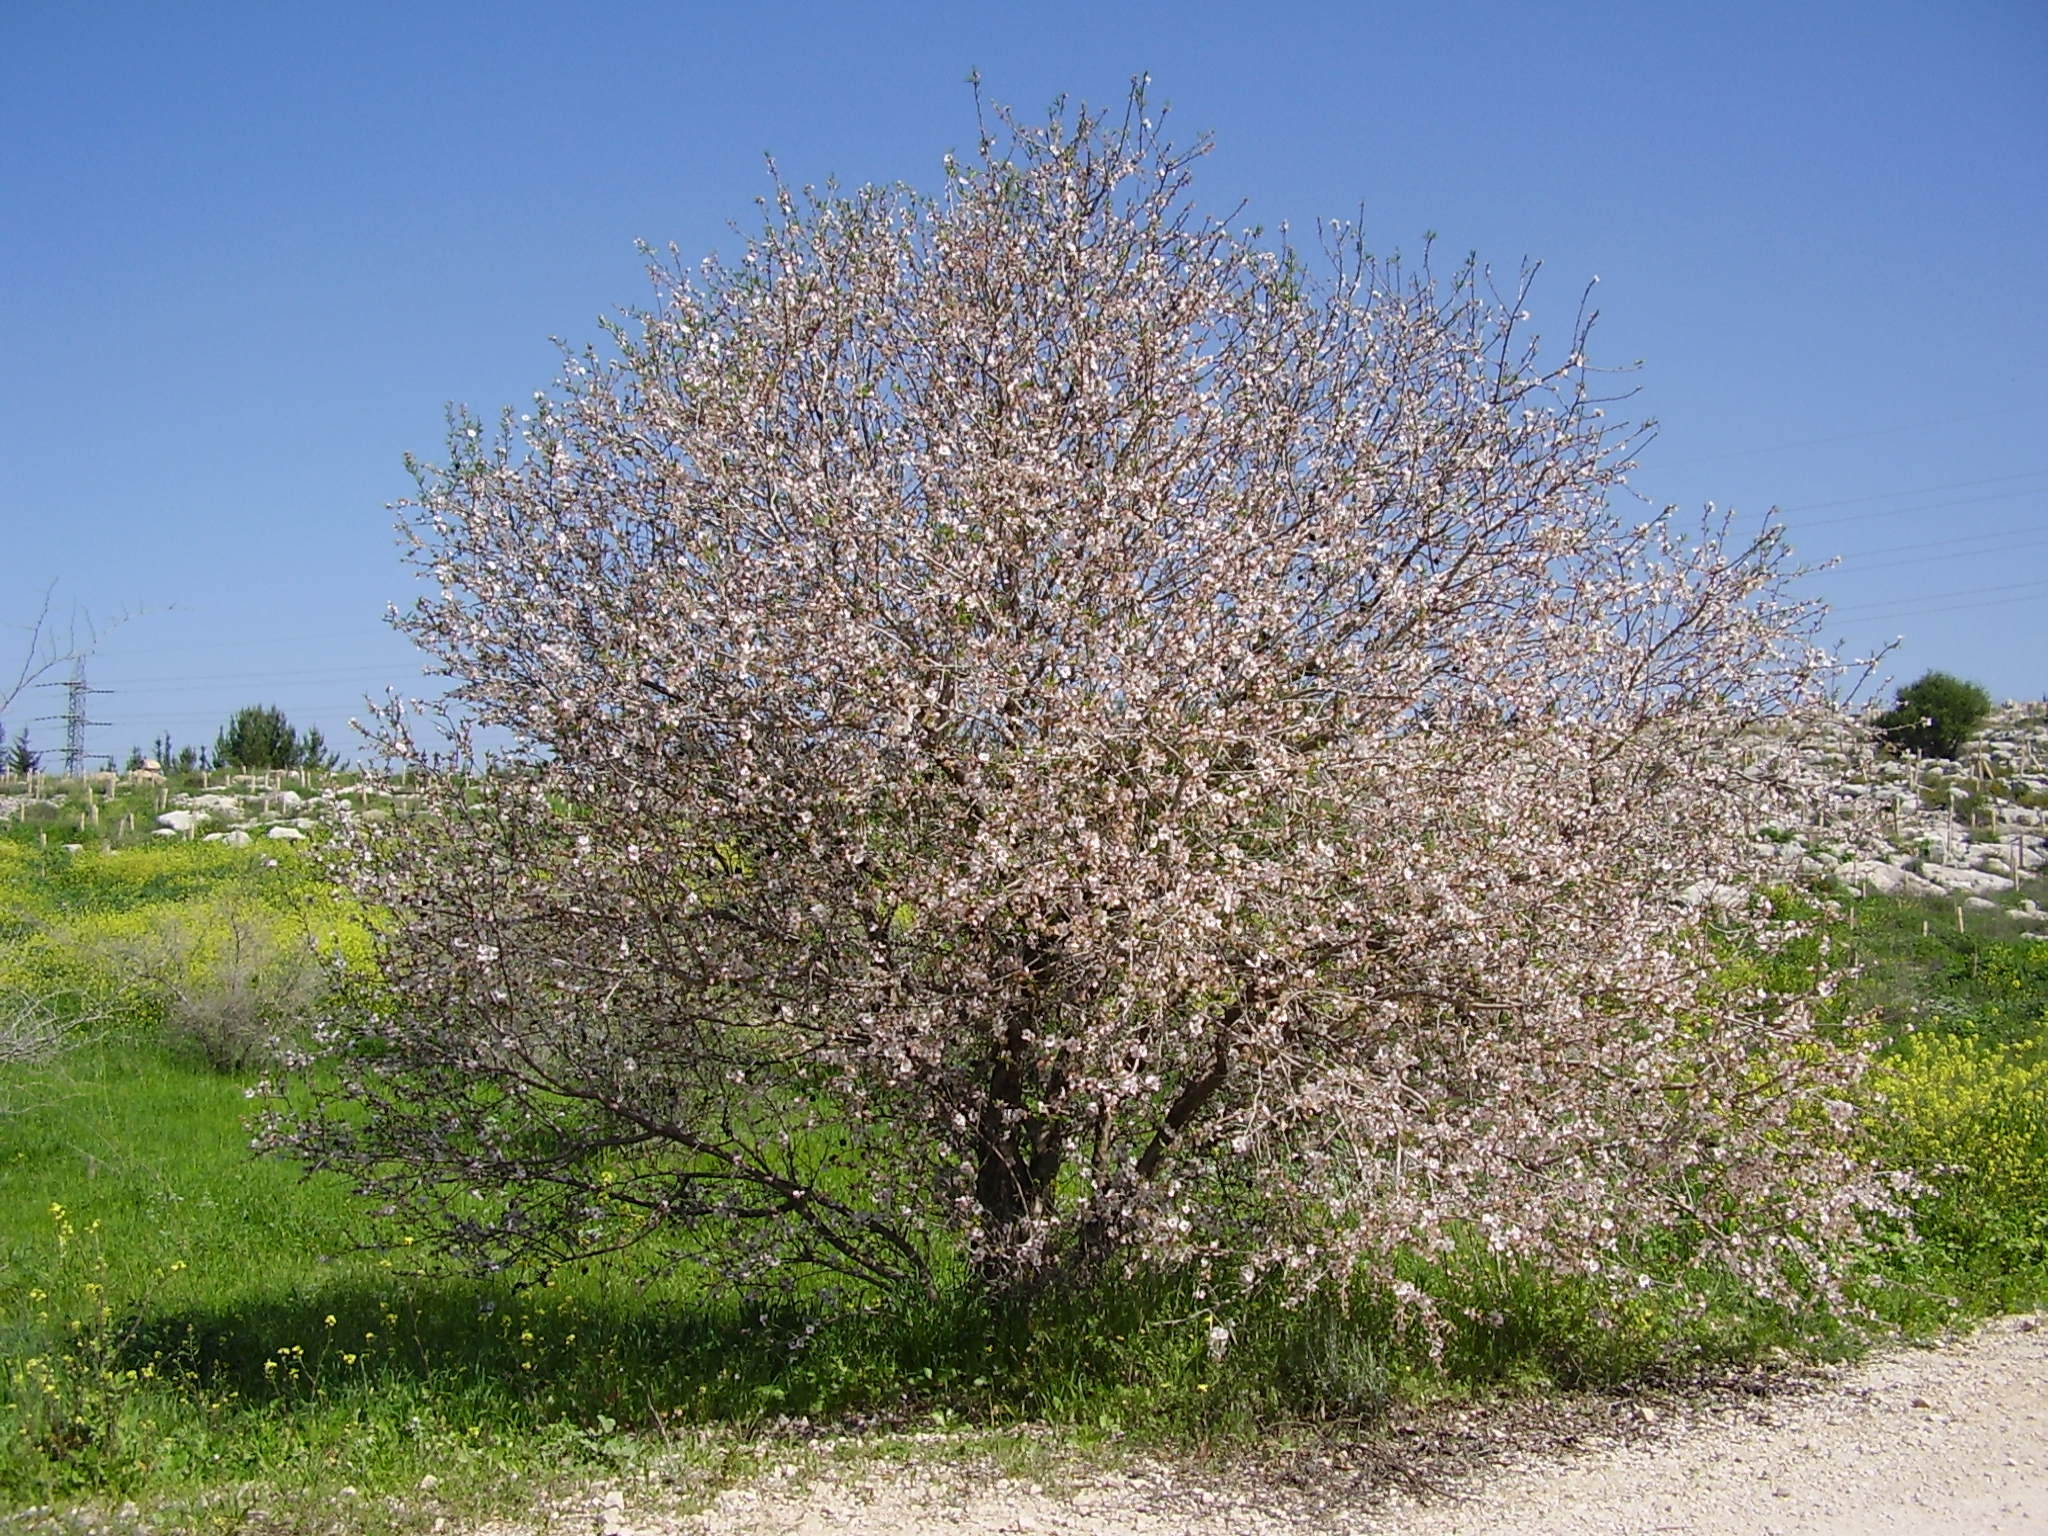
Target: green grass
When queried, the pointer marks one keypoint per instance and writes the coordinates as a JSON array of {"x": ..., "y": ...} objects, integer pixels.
[
  {"x": 184, "y": 1315},
  {"x": 188, "y": 1324},
  {"x": 1917, "y": 970}
]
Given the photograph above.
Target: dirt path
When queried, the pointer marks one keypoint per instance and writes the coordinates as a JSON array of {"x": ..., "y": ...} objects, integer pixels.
[
  {"x": 1928, "y": 1441},
  {"x": 1931, "y": 1442}
]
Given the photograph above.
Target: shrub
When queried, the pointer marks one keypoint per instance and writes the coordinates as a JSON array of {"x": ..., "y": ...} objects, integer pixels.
[
  {"x": 1055, "y": 738},
  {"x": 233, "y": 981},
  {"x": 1935, "y": 715},
  {"x": 34, "y": 1027}
]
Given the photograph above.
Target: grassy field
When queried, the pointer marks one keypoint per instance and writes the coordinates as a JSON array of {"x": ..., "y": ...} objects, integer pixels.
[{"x": 194, "y": 1327}]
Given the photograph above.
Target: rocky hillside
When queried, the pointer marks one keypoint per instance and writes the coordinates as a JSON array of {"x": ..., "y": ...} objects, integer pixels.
[
  {"x": 1974, "y": 831},
  {"x": 1970, "y": 830},
  {"x": 107, "y": 810}
]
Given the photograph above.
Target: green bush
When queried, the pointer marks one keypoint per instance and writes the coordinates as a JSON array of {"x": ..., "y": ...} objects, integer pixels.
[
  {"x": 1935, "y": 715},
  {"x": 228, "y": 977}
]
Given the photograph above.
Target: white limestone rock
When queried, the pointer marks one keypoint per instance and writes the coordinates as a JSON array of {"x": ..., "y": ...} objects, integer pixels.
[
  {"x": 1974, "y": 882},
  {"x": 1885, "y": 879}
]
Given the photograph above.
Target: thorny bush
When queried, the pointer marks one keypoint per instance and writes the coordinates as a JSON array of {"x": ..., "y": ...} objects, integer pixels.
[{"x": 1054, "y": 733}]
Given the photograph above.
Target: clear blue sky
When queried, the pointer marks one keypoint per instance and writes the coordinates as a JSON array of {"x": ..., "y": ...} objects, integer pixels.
[{"x": 249, "y": 253}]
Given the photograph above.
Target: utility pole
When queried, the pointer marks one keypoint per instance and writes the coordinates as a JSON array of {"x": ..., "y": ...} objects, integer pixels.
[{"x": 75, "y": 722}]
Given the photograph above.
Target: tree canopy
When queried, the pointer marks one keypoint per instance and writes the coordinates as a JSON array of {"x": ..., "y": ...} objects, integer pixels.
[
  {"x": 1935, "y": 715},
  {"x": 259, "y": 736},
  {"x": 1055, "y": 731}
]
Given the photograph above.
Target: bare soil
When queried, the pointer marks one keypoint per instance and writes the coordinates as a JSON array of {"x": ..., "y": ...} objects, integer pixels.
[{"x": 1948, "y": 1439}]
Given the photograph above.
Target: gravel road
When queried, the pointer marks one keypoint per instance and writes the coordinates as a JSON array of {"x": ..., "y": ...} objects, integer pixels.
[{"x": 1937, "y": 1442}]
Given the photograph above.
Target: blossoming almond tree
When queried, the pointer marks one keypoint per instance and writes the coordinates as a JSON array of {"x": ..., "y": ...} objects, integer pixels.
[{"x": 1055, "y": 733}]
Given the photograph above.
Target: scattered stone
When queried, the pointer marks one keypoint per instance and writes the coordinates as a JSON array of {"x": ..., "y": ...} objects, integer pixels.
[{"x": 219, "y": 807}]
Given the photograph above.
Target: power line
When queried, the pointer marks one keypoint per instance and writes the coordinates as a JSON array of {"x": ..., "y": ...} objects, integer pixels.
[
  {"x": 1854, "y": 563},
  {"x": 1850, "y": 437},
  {"x": 2011, "y": 586},
  {"x": 1933, "y": 506},
  {"x": 376, "y": 631},
  {"x": 1866, "y": 621},
  {"x": 1960, "y": 538},
  {"x": 264, "y": 679},
  {"x": 1924, "y": 490}
]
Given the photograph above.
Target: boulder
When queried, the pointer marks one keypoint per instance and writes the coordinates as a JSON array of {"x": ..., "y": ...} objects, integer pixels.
[
  {"x": 1974, "y": 882},
  {"x": 237, "y": 838},
  {"x": 1885, "y": 879},
  {"x": 286, "y": 835},
  {"x": 181, "y": 821},
  {"x": 1714, "y": 893}
]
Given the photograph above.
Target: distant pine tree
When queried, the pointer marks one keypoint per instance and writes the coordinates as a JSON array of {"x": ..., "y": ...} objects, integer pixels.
[
  {"x": 258, "y": 736},
  {"x": 313, "y": 752}
]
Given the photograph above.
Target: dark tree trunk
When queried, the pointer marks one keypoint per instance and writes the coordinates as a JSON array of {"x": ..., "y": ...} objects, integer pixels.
[{"x": 1019, "y": 1153}]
